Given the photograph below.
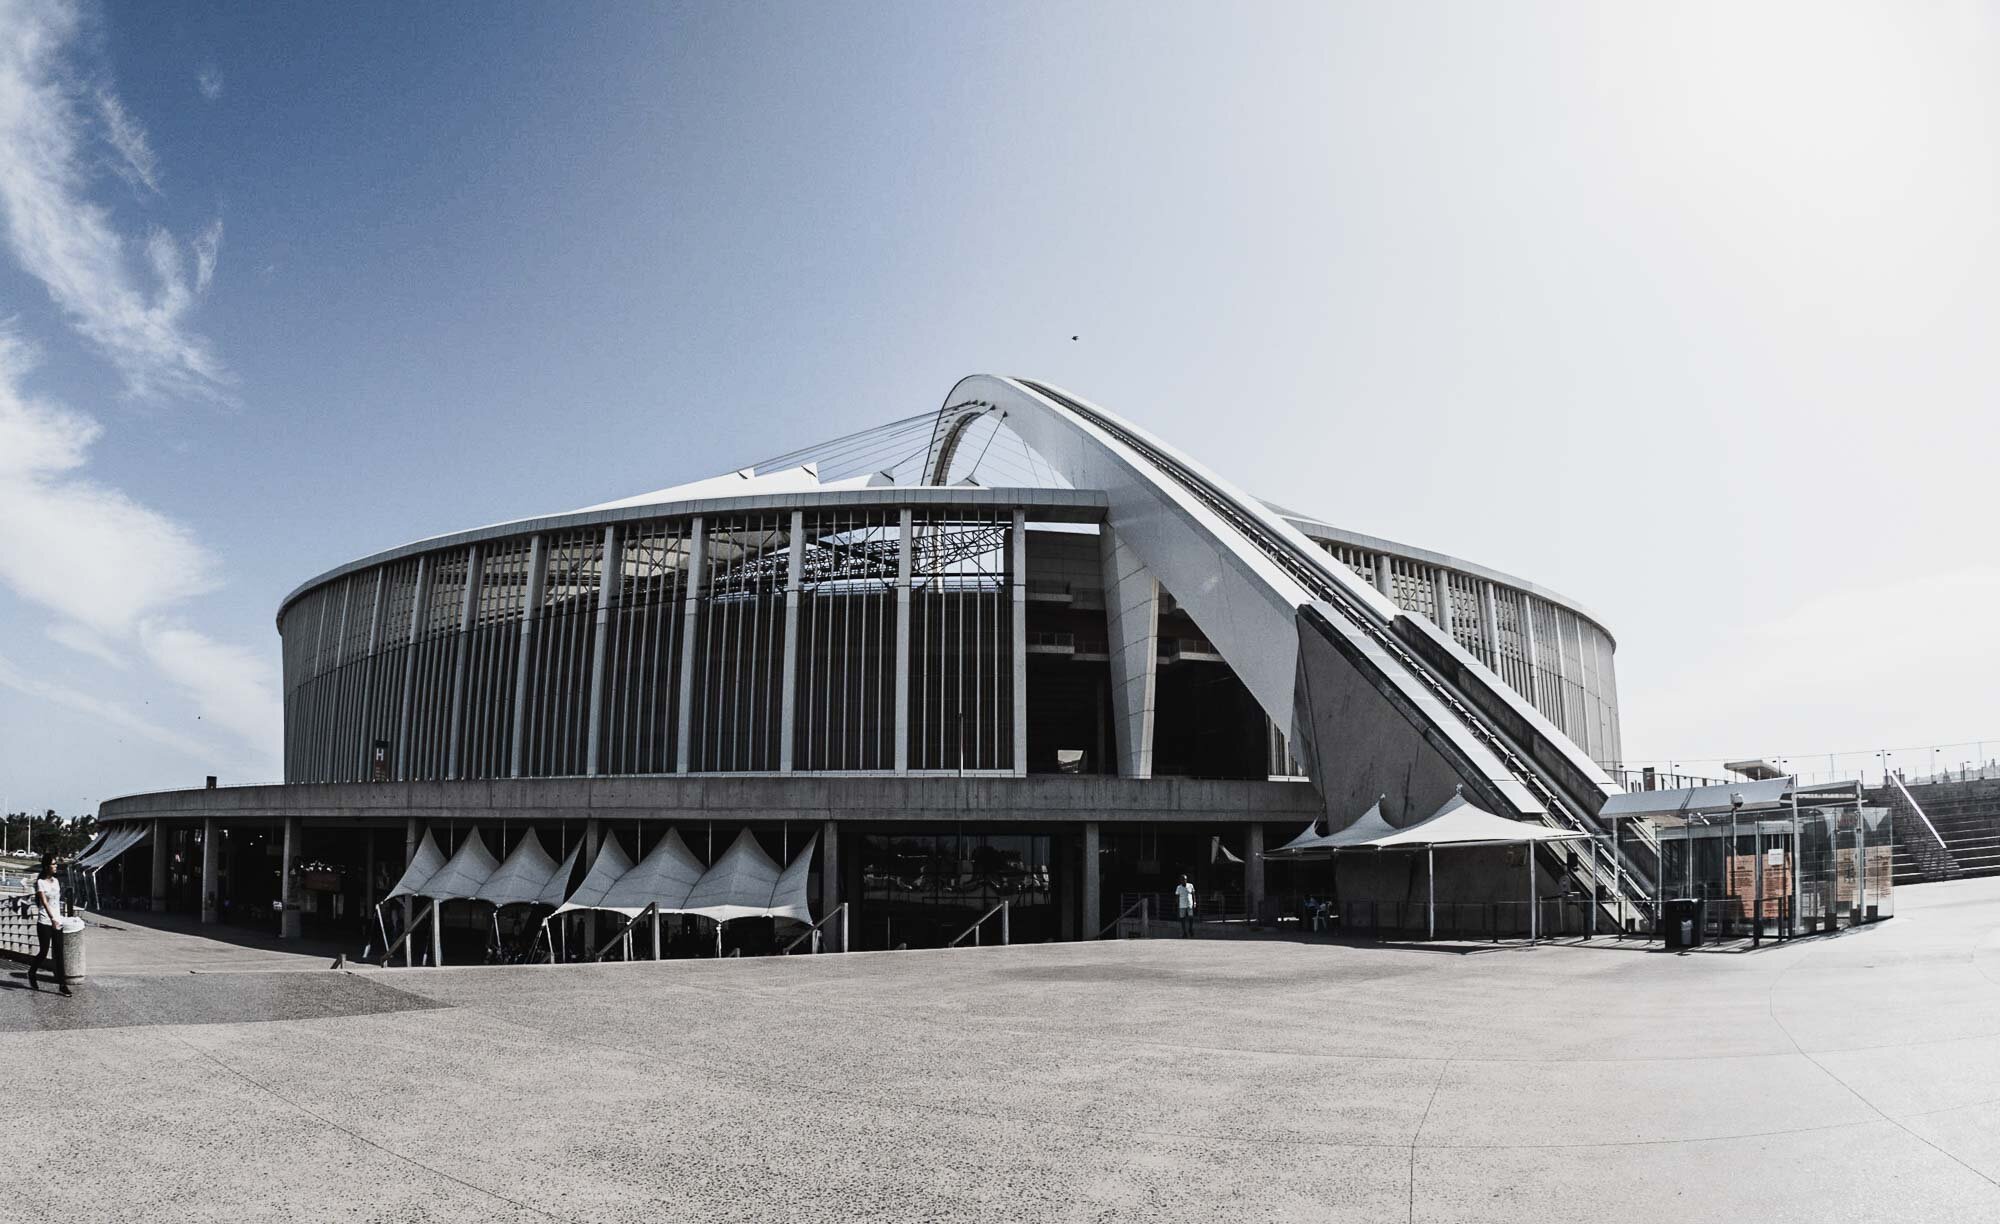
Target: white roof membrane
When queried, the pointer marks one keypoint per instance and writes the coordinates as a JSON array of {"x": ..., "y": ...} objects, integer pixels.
[
  {"x": 425, "y": 863},
  {"x": 665, "y": 877},
  {"x": 467, "y": 871},
  {"x": 738, "y": 885},
  {"x": 524, "y": 875},
  {"x": 606, "y": 869}
]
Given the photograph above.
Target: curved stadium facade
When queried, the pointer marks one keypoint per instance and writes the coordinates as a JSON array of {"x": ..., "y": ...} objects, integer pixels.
[{"x": 1014, "y": 649}]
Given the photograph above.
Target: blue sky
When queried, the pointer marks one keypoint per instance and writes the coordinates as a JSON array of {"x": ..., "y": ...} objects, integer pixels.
[{"x": 1683, "y": 311}]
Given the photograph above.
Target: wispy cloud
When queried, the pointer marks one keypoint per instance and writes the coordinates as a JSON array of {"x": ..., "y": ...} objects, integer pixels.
[
  {"x": 70, "y": 243},
  {"x": 209, "y": 82},
  {"x": 112, "y": 713},
  {"x": 85, "y": 551},
  {"x": 136, "y": 163},
  {"x": 112, "y": 570},
  {"x": 230, "y": 686}
]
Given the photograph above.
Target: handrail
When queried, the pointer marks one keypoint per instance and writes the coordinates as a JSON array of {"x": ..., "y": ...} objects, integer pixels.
[
  {"x": 840, "y": 912},
  {"x": 973, "y": 930},
  {"x": 1311, "y": 573},
  {"x": 623, "y": 931},
  {"x": 1944, "y": 847},
  {"x": 1143, "y": 904}
]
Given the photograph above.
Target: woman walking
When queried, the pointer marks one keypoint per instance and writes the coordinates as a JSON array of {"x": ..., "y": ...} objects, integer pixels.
[{"x": 48, "y": 922}]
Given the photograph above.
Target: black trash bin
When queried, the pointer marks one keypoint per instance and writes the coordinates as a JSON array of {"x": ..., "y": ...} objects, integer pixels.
[{"x": 1682, "y": 919}]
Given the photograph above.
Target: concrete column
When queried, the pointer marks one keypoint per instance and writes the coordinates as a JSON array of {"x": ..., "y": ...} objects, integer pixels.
[
  {"x": 211, "y": 883},
  {"x": 531, "y": 607},
  {"x": 903, "y": 564},
  {"x": 419, "y": 608},
  {"x": 1533, "y": 651},
  {"x": 1092, "y": 905},
  {"x": 1382, "y": 581},
  {"x": 1132, "y": 630},
  {"x": 288, "y": 890},
  {"x": 788, "y": 706},
  {"x": 474, "y": 574},
  {"x": 412, "y": 834},
  {"x": 159, "y": 882},
  {"x": 690, "y": 623},
  {"x": 365, "y": 770},
  {"x": 829, "y": 879},
  {"x": 1020, "y": 587},
  {"x": 1253, "y": 870},
  {"x": 593, "y": 837},
  {"x": 1489, "y": 626},
  {"x": 1441, "y": 596},
  {"x": 610, "y": 581}
]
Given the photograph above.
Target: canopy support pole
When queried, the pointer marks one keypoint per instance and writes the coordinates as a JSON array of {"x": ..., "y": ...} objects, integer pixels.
[
  {"x": 1593, "y": 887},
  {"x": 437, "y": 936},
  {"x": 655, "y": 907},
  {"x": 1534, "y": 900},
  {"x": 1431, "y": 890}
]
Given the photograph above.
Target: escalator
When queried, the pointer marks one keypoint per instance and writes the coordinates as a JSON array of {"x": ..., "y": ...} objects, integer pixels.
[{"x": 1542, "y": 775}]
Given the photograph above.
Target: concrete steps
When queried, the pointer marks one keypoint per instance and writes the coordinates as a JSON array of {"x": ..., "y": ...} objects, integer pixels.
[{"x": 1965, "y": 814}]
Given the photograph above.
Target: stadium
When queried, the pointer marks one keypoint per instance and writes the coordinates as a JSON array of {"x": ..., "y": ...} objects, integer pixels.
[{"x": 1014, "y": 662}]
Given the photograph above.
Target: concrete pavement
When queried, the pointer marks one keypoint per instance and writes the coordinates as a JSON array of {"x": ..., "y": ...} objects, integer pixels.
[{"x": 1854, "y": 1077}]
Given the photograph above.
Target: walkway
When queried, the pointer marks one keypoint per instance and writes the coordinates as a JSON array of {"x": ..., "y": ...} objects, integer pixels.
[{"x": 1854, "y": 1077}]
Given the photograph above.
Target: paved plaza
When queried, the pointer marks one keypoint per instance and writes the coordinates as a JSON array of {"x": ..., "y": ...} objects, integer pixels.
[{"x": 1854, "y": 1077}]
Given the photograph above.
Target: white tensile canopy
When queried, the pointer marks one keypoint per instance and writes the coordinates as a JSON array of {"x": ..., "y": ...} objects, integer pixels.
[
  {"x": 788, "y": 895},
  {"x": 738, "y": 885},
  {"x": 425, "y": 863},
  {"x": 523, "y": 877},
  {"x": 1306, "y": 837},
  {"x": 606, "y": 869},
  {"x": 120, "y": 839},
  {"x": 666, "y": 877},
  {"x": 1361, "y": 832},
  {"x": 1458, "y": 823},
  {"x": 467, "y": 871},
  {"x": 558, "y": 886}
]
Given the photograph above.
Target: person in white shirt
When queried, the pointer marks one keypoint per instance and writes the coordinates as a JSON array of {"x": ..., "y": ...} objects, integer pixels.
[
  {"x": 48, "y": 920},
  {"x": 1184, "y": 902}
]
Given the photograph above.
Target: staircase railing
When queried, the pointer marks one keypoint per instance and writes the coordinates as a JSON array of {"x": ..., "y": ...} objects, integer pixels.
[
  {"x": 1934, "y": 857},
  {"x": 1143, "y": 906},
  {"x": 973, "y": 930},
  {"x": 838, "y": 919}
]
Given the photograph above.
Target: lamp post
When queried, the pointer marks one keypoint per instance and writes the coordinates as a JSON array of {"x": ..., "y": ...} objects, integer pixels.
[{"x": 1729, "y": 860}]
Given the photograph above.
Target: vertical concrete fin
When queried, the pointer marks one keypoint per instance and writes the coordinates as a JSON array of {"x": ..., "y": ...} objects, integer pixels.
[{"x": 1132, "y": 627}]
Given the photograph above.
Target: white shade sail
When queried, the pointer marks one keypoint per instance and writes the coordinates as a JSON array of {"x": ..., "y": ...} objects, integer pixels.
[
  {"x": 467, "y": 871},
  {"x": 738, "y": 885},
  {"x": 116, "y": 842},
  {"x": 425, "y": 863},
  {"x": 523, "y": 877},
  {"x": 558, "y": 886},
  {"x": 788, "y": 895},
  {"x": 1458, "y": 823},
  {"x": 606, "y": 869},
  {"x": 98, "y": 839},
  {"x": 666, "y": 877},
  {"x": 1306, "y": 837},
  {"x": 1371, "y": 825}
]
